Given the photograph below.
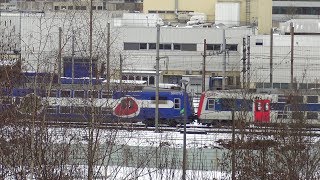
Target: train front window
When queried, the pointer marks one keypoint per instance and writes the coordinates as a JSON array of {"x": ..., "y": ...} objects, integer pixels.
[
  {"x": 211, "y": 104},
  {"x": 176, "y": 103}
]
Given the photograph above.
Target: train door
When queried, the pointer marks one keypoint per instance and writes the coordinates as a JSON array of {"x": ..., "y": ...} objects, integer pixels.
[{"x": 262, "y": 110}]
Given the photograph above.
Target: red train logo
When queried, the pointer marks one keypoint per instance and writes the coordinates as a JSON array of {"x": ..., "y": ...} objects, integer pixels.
[{"x": 126, "y": 108}]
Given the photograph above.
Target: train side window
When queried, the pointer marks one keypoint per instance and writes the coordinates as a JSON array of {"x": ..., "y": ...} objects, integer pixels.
[
  {"x": 211, "y": 104},
  {"x": 229, "y": 104},
  {"x": 312, "y": 115},
  {"x": 298, "y": 115},
  {"x": 258, "y": 106},
  {"x": 65, "y": 93},
  {"x": 177, "y": 103},
  {"x": 53, "y": 93},
  {"x": 78, "y": 94},
  {"x": 162, "y": 100},
  {"x": 78, "y": 110},
  {"x": 95, "y": 94},
  {"x": 51, "y": 109},
  {"x": 266, "y": 107},
  {"x": 65, "y": 109},
  {"x": 312, "y": 99}
]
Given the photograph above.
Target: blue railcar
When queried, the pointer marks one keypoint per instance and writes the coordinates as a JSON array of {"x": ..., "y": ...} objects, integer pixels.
[
  {"x": 171, "y": 106},
  {"x": 79, "y": 102}
]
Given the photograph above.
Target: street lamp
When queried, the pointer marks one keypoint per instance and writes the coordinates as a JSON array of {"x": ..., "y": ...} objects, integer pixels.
[{"x": 184, "y": 158}]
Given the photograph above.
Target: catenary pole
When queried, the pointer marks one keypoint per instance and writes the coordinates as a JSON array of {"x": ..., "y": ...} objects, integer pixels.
[{"x": 157, "y": 80}]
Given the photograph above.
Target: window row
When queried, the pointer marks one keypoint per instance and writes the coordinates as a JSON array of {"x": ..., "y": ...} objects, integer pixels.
[
  {"x": 163, "y": 100},
  {"x": 229, "y": 104},
  {"x": 298, "y": 115},
  {"x": 79, "y": 94},
  {"x": 56, "y": 8},
  {"x": 287, "y": 85},
  {"x": 296, "y": 10},
  {"x": 76, "y": 110},
  {"x": 167, "y": 11},
  {"x": 176, "y": 46},
  {"x": 298, "y": 99}
]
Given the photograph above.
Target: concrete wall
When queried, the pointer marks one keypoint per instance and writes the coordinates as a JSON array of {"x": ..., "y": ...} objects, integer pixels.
[{"x": 305, "y": 64}]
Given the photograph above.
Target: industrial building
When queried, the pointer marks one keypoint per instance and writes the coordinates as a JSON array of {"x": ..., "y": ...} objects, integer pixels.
[
  {"x": 238, "y": 12},
  {"x": 182, "y": 50}
]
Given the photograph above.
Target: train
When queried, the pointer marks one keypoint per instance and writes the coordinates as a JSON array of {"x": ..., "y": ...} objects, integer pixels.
[
  {"x": 221, "y": 107},
  {"x": 82, "y": 101}
]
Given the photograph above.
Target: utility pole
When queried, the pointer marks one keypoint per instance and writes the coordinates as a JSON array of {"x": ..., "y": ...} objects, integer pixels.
[
  {"x": 204, "y": 65},
  {"x": 271, "y": 57},
  {"x": 248, "y": 62},
  {"x": 59, "y": 54},
  {"x": 91, "y": 120},
  {"x": 224, "y": 59},
  {"x": 292, "y": 48},
  {"x": 184, "y": 150},
  {"x": 120, "y": 73},
  {"x": 244, "y": 53},
  {"x": 156, "y": 120},
  {"x": 233, "y": 153},
  {"x": 72, "y": 57},
  {"x": 108, "y": 59}
]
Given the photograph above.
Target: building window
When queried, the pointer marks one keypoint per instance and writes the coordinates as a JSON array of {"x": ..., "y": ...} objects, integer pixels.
[
  {"x": 143, "y": 45},
  {"x": 232, "y": 47},
  {"x": 188, "y": 47},
  {"x": 78, "y": 7},
  {"x": 63, "y": 7},
  {"x": 131, "y": 46},
  {"x": 83, "y": 8},
  {"x": 93, "y": 7},
  {"x": 70, "y": 7},
  {"x": 56, "y": 8},
  {"x": 210, "y": 47},
  {"x": 176, "y": 46},
  {"x": 161, "y": 12},
  {"x": 259, "y": 42},
  {"x": 99, "y": 7},
  {"x": 167, "y": 46},
  {"x": 152, "y": 45},
  {"x": 152, "y": 11},
  {"x": 217, "y": 47}
]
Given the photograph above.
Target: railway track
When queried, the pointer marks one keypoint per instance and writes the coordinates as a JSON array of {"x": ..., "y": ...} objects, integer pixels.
[{"x": 190, "y": 128}]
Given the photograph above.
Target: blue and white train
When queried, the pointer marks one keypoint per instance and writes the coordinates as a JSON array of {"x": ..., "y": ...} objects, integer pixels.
[{"x": 81, "y": 102}]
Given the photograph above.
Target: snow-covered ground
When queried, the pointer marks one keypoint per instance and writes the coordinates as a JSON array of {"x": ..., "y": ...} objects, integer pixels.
[{"x": 142, "y": 138}]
